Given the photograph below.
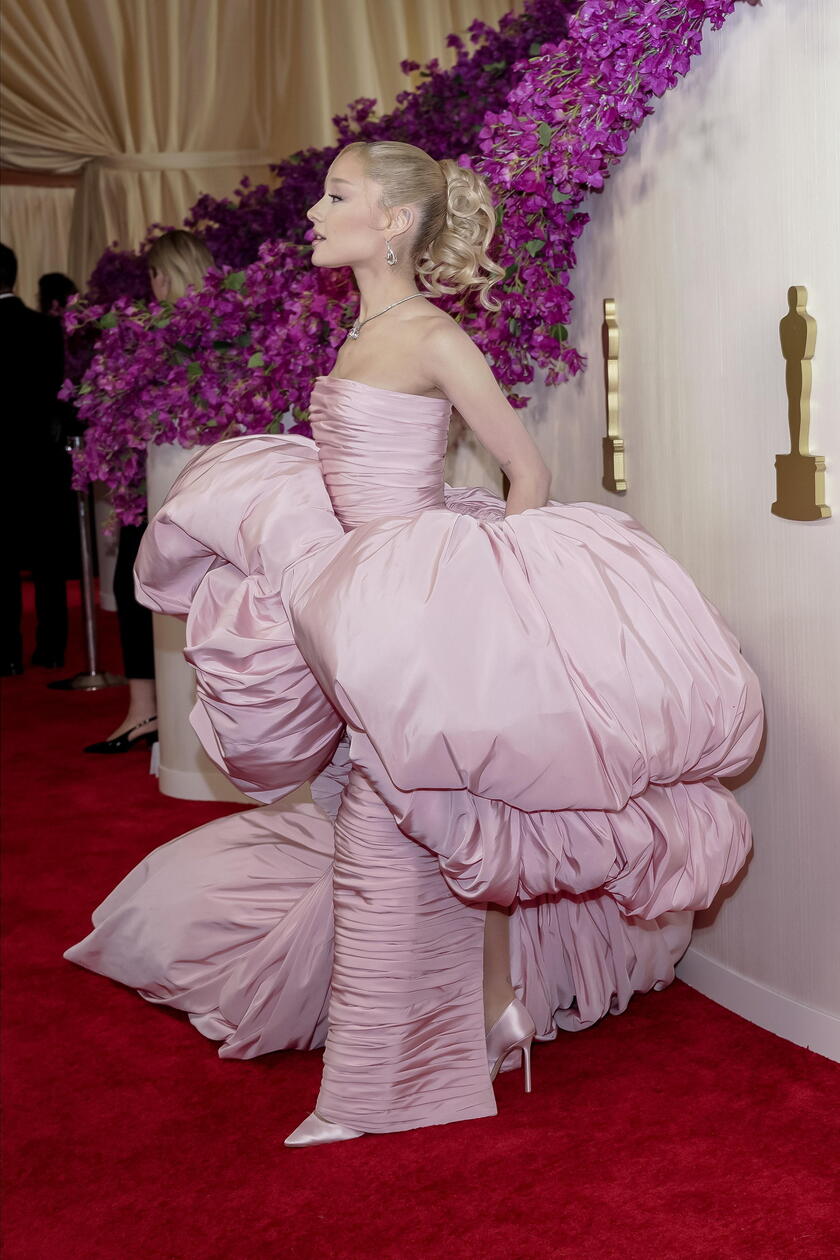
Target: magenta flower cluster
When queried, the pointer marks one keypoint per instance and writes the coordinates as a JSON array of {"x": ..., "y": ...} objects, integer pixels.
[
  {"x": 543, "y": 107},
  {"x": 238, "y": 356},
  {"x": 567, "y": 120}
]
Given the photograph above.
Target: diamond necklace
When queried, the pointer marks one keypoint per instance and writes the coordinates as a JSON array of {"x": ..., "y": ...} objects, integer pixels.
[{"x": 353, "y": 334}]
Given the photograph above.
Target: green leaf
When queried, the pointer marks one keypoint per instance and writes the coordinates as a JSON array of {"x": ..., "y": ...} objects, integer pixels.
[
  {"x": 109, "y": 320},
  {"x": 557, "y": 196},
  {"x": 243, "y": 340},
  {"x": 545, "y": 133},
  {"x": 535, "y": 50},
  {"x": 513, "y": 326},
  {"x": 559, "y": 331},
  {"x": 85, "y": 387},
  {"x": 256, "y": 360},
  {"x": 534, "y": 247},
  {"x": 194, "y": 371},
  {"x": 235, "y": 280}
]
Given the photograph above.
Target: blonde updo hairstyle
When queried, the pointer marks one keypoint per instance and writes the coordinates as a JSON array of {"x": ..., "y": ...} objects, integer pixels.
[
  {"x": 182, "y": 258},
  {"x": 456, "y": 218}
]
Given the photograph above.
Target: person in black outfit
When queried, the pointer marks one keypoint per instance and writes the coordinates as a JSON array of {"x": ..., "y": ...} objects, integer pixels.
[
  {"x": 177, "y": 261},
  {"x": 135, "y": 620},
  {"x": 54, "y": 291},
  {"x": 32, "y": 372}
]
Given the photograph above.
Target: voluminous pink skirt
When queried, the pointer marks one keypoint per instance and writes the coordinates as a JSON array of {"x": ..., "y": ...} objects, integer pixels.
[{"x": 538, "y": 711}]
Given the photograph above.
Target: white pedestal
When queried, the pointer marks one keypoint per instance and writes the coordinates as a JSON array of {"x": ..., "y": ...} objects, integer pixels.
[
  {"x": 186, "y": 771},
  {"x": 106, "y": 545}
]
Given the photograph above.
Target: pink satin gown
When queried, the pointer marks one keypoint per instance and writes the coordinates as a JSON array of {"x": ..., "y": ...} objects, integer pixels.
[{"x": 531, "y": 712}]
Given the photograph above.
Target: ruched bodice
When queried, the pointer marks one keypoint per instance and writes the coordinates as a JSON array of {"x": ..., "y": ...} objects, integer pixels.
[{"x": 381, "y": 452}]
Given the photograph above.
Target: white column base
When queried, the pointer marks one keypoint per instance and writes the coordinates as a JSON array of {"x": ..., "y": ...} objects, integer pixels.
[
  {"x": 803, "y": 1025},
  {"x": 196, "y": 785}
]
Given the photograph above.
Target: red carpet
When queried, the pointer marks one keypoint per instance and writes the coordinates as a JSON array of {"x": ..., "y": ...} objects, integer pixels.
[{"x": 675, "y": 1131}]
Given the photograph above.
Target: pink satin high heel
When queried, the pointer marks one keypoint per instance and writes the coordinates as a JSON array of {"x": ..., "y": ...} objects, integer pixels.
[
  {"x": 314, "y": 1132},
  {"x": 509, "y": 1042}
]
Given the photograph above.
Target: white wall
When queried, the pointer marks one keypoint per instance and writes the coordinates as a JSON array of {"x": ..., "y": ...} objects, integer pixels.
[{"x": 729, "y": 194}]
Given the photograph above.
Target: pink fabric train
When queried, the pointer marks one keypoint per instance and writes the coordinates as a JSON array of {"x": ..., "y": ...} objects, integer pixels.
[{"x": 537, "y": 712}]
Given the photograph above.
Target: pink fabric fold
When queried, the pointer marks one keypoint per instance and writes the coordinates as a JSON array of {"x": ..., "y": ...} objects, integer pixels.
[
  {"x": 231, "y": 923},
  {"x": 260, "y": 714}
]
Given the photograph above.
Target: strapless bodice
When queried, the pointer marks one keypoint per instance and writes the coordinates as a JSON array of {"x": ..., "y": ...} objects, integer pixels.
[{"x": 381, "y": 452}]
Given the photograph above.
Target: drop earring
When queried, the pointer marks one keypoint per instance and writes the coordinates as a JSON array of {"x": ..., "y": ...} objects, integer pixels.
[{"x": 390, "y": 256}]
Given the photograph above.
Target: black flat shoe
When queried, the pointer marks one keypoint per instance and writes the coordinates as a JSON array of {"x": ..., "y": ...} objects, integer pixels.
[{"x": 124, "y": 743}]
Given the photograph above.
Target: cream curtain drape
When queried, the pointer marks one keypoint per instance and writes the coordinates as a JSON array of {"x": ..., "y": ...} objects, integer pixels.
[
  {"x": 35, "y": 222},
  {"x": 157, "y": 101},
  {"x": 90, "y": 83}
]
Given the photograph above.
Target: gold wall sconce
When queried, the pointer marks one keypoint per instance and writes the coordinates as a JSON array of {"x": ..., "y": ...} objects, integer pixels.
[
  {"x": 614, "y": 478},
  {"x": 800, "y": 476}
]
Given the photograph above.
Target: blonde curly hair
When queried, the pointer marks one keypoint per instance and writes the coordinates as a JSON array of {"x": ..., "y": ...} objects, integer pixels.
[{"x": 456, "y": 217}]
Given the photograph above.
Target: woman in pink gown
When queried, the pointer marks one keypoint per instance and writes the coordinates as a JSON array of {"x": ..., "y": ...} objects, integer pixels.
[{"x": 514, "y": 716}]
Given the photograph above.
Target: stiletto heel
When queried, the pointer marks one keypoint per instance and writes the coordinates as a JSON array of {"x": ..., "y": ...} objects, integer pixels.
[{"x": 510, "y": 1036}]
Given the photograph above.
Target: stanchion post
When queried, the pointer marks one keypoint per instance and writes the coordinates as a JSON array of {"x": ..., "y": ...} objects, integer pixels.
[{"x": 93, "y": 679}]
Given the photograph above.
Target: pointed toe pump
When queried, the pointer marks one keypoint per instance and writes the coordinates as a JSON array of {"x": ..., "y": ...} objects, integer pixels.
[
  {"x": 124, "y": 743},
  {"x": 314, "y": 1132},
  {"x": 509, "y": 1042}
]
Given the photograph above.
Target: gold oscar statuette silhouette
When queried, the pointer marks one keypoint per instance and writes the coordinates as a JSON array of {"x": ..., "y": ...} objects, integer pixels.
[
  {"x": 800, "y": 476},
  {"x": 614, "y": 476}
]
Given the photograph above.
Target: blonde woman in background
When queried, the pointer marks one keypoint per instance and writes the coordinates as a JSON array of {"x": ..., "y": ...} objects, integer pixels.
[{"x": 177, "y": 261}]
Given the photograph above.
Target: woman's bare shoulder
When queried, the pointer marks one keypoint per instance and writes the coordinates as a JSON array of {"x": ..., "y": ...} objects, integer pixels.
[
  {"x": 446, "y": 343},
  {"x": 414, "y": 354}
]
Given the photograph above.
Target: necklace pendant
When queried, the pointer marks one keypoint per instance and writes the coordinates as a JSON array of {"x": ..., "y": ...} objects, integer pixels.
[{"x": 353, "y": 334}]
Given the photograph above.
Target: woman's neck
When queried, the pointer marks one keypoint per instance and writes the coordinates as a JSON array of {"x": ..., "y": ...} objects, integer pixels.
[{"x": 378, "y": 289}]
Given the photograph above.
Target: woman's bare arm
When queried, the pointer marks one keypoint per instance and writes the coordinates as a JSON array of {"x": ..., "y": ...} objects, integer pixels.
[{"x": 458, "y": 368}]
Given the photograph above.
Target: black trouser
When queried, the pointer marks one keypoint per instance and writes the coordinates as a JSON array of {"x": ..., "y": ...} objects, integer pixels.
[
  {"x": 34, "y": 537},
  {"x": 135, "y": 621}
]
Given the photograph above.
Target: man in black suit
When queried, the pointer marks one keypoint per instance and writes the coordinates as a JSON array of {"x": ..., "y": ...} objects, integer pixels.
[{"x": 32, "y": 369}]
